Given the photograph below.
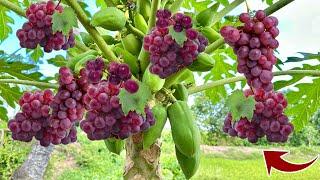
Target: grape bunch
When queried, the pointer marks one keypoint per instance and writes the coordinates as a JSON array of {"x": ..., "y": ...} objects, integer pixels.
[
  {"x": 34, "y": 116},
  {"x": 67, "y": 109},
  {"x": 254, "y": 43},
  {"x": 91, "y": 74},
  {"x": 166, "y": 55},
  {"x": 105, "y": 118},
  {"x": 38, "y": 29},
  {"x": 268, "y": 119}
]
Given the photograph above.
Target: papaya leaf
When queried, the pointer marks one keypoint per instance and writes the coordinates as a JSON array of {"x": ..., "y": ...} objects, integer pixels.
[
  {"x": 5, "y": 21},
  {"x": 303, "y": 103},
  {"x": 3, "y": 112},
  {"x": 179, "y": 37},
  {"x": 135, "y": 102},
  {"x": 240, "y": 106},
  {"x": 58, "y": 61},
  {"x": 294, "y": 78},
  {"x": 63, "y": 24},
  {"x": 36, "y": 54},
  {"x": 197, "y": 5},
  {"x": 306, "y": 56},
  {"x": 222, "y": 70}
]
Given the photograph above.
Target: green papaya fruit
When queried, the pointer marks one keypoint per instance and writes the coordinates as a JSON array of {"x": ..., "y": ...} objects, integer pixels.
[
  {"x": 145, "y": 9},
  {"x": 109, "y": 18},
  {"x": 189, "y": 165},
  {"x": 154, "y": 82},
  {"x": 152, "y": 134},
  {"x": 128, "y": 58},
  {"x": 114, "y": 145},
  {"x": 185, "y": 133},
  {"x": 81, "y": 63},
  {"x": 180, "y": 92},
  {"x": 205, "y": 17},
  {"x": 72, "y": 62},
  {"x": 203, "y": 63},
  {"x": 88, "y": 40},
  {"x": 140, "y": 23},
  {"x": 210, "y": 34},
  {"x": 132, "y": 44}
]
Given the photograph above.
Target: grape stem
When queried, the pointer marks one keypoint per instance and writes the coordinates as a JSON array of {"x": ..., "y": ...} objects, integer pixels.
[
  {"x": 13, "y": 7},
  {"x": 32, "y": 83},
  {"x": 271, "y": 9},
  {"x": 92, "y": 30},
  {"x": 222, "y": 82},
  {"x": 143, "y": 55},
  {"x": 135, "y": 31}
]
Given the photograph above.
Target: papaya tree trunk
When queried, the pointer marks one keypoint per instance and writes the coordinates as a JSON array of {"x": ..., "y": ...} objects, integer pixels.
[
  {"x": 35, "y": 165},
  {"x": 142, "y": 164}
]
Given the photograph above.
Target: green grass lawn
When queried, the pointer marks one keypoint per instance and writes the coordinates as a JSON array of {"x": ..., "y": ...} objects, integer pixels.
[{"x": 91, "y": 160}]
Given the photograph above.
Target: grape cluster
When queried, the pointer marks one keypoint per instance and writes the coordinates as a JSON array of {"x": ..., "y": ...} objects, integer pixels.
[
  {"x": 34, "y": 116},
  {"x": 166, "y": 55},
  {"x": 254, "y": 43},
  {"x": 268, "y": 119},
  {"x": 38, "y": 30},
  {"x": 91, "y": 74},
  {"x": 105, "y": 117},
  {"x": 67, "y": 109}
]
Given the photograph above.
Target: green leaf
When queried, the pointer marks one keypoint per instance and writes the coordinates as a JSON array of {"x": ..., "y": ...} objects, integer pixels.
[
  {"x": 295, "y": 78},
  {"x": 5, "y": 20},
  {"x": 223, "y": 2},
  {"x": 36, "y": 54},
  {"x": 240, "y": 106},
  {"x": 306, "y": 56},
  {"x": 135, "y": 102},
  {"x": 179, "y": 37},
  {"x": 303, "y": 103},
  {"x": 65, "y": 21},
  {"x": 58, "y": 61},
  {"x": 195, "y": 4},
  {"x": 269, "y": 2}
]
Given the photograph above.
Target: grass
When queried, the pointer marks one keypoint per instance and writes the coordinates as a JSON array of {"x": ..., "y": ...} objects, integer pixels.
[{"x": 91, "y": 160}]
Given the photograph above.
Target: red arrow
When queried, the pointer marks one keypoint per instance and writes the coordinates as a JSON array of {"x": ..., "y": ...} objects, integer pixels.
[{"x": 274, "y": 159}]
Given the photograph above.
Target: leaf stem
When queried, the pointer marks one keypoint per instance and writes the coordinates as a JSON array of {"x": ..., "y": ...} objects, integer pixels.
[
  {"x": 143, "y": 56},
  {"x": 26, "y": 82},
  {"x": 175, "y": 6},
  {"x": 81, "y": 46},
  {"x": 276, "y": 6},
  {"x": 226, "y": 10},
  {"x": 92, "y": 30},
  {"x": 13, "y": 7},
  {"x": 222, "y": 82},
  {"x": 135, "y": 31}
]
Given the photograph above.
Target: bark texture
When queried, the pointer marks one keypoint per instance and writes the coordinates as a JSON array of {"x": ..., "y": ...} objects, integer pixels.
[
  {"x": 35, "y": 165},
  {"x": 142, "y": 164}
]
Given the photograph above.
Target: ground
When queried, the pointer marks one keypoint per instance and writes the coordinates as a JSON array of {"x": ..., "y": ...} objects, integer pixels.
[{"x": 91, "y": 160}]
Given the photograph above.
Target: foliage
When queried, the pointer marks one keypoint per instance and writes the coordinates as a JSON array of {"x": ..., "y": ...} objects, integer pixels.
[{"x": 12, "y": 157}]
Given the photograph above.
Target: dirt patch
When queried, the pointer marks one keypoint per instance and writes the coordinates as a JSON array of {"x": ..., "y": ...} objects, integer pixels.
[{"x": 225, "y": 149}]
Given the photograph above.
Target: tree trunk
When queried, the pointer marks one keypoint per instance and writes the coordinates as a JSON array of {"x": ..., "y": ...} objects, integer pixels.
[
  {"x": 35, "y": 165},
  {"x": 142, "y": 164}
]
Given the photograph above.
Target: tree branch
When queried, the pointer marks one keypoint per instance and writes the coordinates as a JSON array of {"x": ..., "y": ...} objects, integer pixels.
[
  {"x": 13, "y": 7},
  {"x": 135, "y": 31},
  {"x": 276, "y": 6},
  {"x": 32, "y": 83},
  {"x": 92, "y": 30},
  {"x": 221, "y": 82},
  {"x": 226, "y": 10}
]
